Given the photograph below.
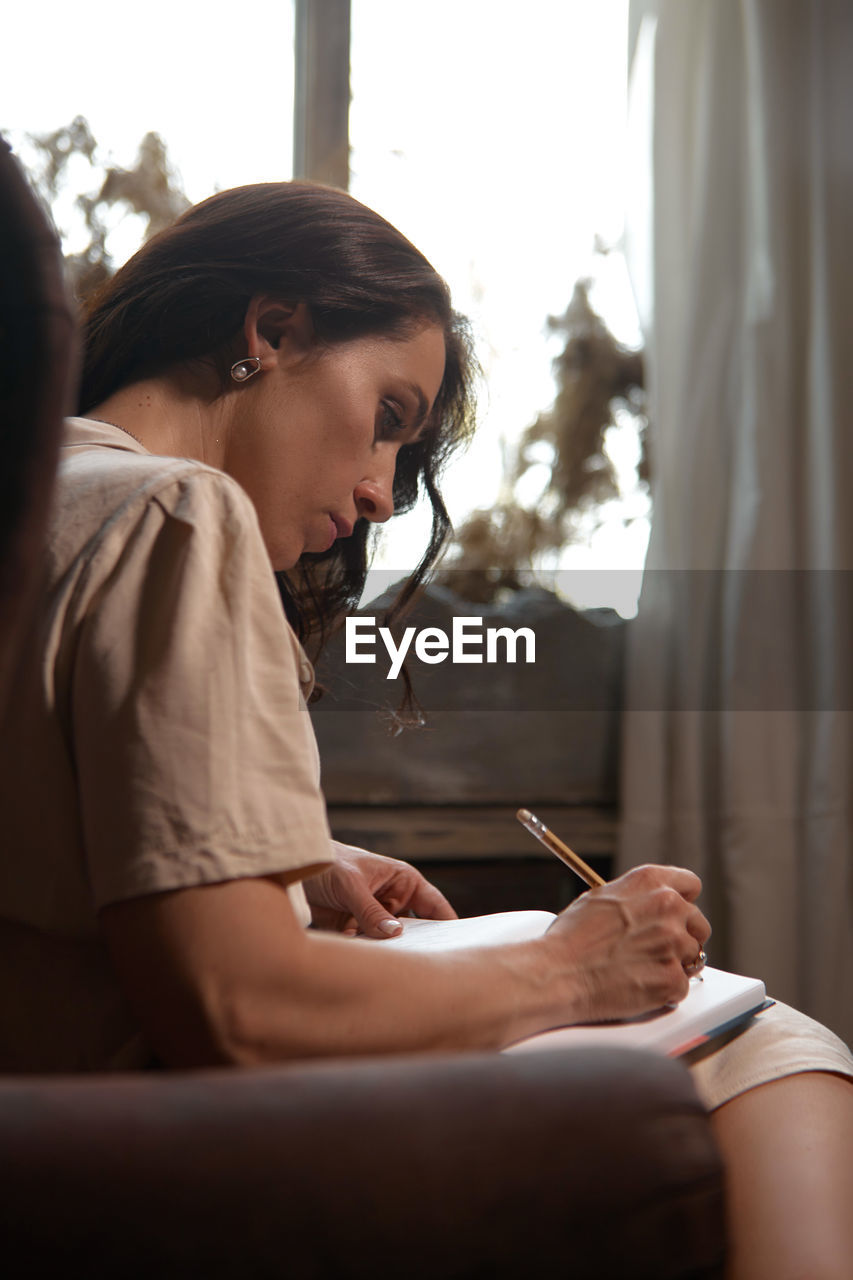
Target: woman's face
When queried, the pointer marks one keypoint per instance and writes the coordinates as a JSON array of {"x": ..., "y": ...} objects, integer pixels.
[{"x": 315, "y": 437}]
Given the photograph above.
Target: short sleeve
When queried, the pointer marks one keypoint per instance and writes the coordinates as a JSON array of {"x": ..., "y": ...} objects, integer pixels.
[{"x": 195, "y": 756}]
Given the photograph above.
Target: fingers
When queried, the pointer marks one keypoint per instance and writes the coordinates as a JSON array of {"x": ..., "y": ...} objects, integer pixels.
[
  {"x": 430, "y": 903},
  {"x": 368, "y": 891},
  {"x": 651, "y": 876},
  {"x": 665, "y": 894},
  {"x": 375, "y": 908},
  {"x": 695, "y": 967},
  {"x": 373, "y": 920},
  {"x": 370, "y": 916},
  {"x": 669, "y": 894},
  {"x": 699, "y": 928},
  {"x": 636, "y": 940}
]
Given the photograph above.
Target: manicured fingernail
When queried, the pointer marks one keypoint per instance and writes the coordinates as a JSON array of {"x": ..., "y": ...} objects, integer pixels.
[{"x": 390, "y": 926}]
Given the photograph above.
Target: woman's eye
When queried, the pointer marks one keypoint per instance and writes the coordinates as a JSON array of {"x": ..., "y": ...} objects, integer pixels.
[{"x": 390, "y": 418}]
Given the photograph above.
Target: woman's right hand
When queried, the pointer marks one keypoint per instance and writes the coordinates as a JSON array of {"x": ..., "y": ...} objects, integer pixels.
[{"x": 628, "y": 941}]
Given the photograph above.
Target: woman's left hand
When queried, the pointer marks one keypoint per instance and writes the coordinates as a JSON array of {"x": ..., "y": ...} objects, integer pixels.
[{"x": 364, "y": 893}]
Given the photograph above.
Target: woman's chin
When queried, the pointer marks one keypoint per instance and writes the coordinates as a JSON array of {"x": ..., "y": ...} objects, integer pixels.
[
  {"x": 324, "y": 538},
  {"x": 283, "y": 558},
  {"x": 318, "y": 540}
]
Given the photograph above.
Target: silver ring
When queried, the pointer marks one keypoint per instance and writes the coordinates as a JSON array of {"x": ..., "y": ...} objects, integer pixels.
[{"x": 697, "y": 965}]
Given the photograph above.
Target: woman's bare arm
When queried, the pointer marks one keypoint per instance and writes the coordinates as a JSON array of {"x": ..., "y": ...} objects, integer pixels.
[{"x": 225, "y": 974}]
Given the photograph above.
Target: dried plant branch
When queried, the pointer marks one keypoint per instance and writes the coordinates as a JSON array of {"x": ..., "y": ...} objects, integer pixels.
[
  {"x": 596, "y": 376},
  {"x": 151, "y": 189}
]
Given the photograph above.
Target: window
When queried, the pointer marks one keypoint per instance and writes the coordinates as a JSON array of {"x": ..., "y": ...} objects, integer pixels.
[
  {"x": 493, "y": 134},
  {"x": 215, "y": 86}
]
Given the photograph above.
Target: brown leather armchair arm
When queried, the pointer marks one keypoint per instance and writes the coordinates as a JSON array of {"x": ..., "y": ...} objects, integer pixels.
[{"x": 596, "y": 1163}]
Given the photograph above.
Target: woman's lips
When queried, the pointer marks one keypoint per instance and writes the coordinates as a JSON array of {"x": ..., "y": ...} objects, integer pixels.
[
  {"x": 343, "y": 528},
  {"x": 338, "y": 527}
]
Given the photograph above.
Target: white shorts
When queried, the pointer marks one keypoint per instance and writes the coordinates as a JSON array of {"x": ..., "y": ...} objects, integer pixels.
[{"x": 778, "y": 1042}]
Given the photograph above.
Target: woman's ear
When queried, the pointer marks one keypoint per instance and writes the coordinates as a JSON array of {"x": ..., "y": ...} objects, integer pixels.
[{"x": 275, "y": 329}]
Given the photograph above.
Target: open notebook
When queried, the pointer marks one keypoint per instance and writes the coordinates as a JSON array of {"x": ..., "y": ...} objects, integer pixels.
[{"x": 716, "y": 1003}]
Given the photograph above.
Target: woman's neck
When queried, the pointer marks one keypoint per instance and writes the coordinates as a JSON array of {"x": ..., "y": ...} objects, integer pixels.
[{"x": 167, "y": 422}]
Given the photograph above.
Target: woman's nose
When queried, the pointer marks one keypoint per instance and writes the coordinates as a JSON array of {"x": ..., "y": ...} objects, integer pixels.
[{"x": 374, "y": 495}]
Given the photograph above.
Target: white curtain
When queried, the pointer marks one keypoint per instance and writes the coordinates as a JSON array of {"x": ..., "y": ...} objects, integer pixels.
[{"x": 738, "y": 746}]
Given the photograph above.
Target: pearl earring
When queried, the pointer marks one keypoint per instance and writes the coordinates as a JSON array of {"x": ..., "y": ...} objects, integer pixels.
[{"x": 243, "y": 370}]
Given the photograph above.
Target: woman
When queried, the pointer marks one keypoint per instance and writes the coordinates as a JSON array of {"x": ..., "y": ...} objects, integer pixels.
[{"x": 262, "y": 382}]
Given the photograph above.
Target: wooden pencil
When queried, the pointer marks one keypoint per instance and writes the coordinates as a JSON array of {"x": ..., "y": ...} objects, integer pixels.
[{"x": 545, "y": 836}]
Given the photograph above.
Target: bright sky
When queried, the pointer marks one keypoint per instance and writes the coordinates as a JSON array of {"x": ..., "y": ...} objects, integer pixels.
[{"x": 491, "y": 132}]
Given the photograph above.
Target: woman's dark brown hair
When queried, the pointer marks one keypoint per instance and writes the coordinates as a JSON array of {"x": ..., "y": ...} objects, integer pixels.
[{"x": 183, "y": 298}]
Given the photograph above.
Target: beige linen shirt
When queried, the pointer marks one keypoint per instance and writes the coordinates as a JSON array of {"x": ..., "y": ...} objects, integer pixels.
[{"x": 157, "y": 736}]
